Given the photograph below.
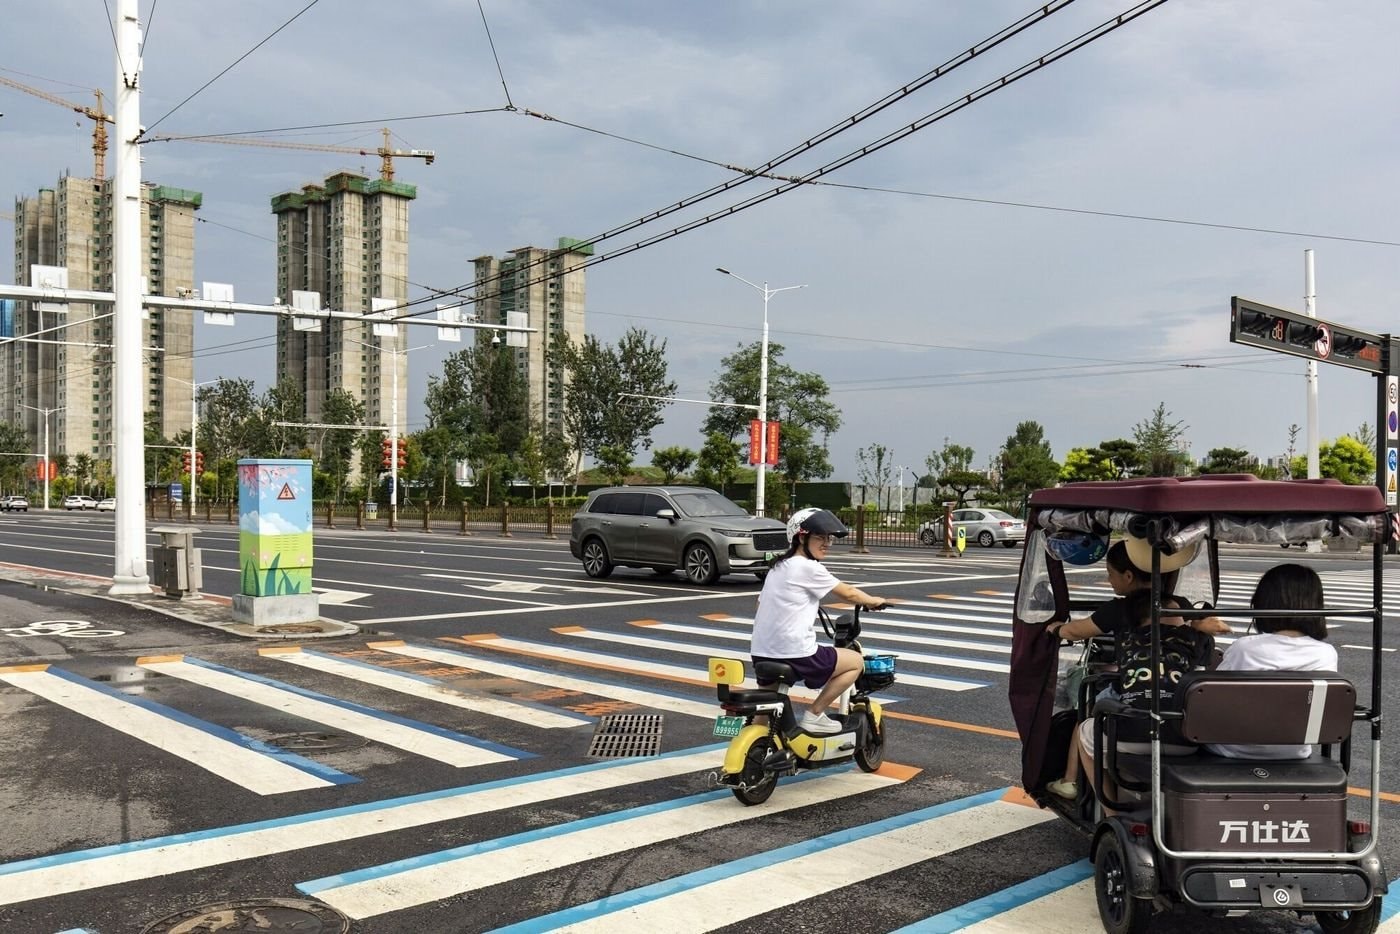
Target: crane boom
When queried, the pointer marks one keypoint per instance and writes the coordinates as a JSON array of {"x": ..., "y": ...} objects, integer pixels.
[
  {"x": 99, "y": 117},
  {"x": 386, "y": 154}
]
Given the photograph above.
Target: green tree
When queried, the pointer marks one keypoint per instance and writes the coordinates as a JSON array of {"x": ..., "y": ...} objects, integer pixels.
[
  {"x": 13, "y": 470},
  {"x": 1366, "y": 435},
  {"x": 798, "y": 401},
  {"x": 874, "y": 467},
  {"x": 1159, "y": 441},
  {"x": 532, "y": 466},
  {"x": 266, "y": 438},
  {"x": 596, "y": 413},
  {"x": 1084, "y": 464},
  {"x": 1345, "y": 459},
  {"x": 1229, "y": 460},
  {"x": 718, "y": 462},
  {"x": 338, "y": 444},
  {"x": 1127, "y": 460},
  {"x": 82, "y": 471},
  {"x": 951, "y": 471},
  {"x": 1025, "y": 464},
  {"x": 228, "y": 425},
  {"x": 616, "y": 463},
  {"x": 672, "y": 461}
]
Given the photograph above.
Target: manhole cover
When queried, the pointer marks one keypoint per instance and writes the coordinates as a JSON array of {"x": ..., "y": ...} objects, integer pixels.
[
  {"x": 626, "y": 734},
  {"x": 258, "y": 914},
  {"x": 290, "y": 628},
  {"x": 317, "y": 742}
]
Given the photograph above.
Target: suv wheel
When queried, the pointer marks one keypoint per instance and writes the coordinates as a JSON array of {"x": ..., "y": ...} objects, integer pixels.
[
  {"x": 596, "y": 562},
  {"x": 699, "y": 563}
]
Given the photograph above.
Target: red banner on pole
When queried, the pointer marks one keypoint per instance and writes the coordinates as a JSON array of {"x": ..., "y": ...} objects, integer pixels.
[
  {"x": 755, "y": 440},
  {"x": 772, "y": 446}
]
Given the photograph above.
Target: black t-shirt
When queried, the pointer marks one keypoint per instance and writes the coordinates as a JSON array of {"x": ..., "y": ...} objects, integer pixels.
[{"x": 1112, "y": 618}]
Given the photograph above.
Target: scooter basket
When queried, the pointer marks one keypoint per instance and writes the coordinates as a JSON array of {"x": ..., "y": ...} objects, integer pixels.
[{"x": 878, "y": 673}]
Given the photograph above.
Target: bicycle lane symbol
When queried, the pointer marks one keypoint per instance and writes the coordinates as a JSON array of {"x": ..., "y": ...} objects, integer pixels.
[{"x": 62, "y": 628}]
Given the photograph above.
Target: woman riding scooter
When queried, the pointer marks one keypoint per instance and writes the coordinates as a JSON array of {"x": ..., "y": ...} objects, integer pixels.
[{"x": 788, "y": 604}]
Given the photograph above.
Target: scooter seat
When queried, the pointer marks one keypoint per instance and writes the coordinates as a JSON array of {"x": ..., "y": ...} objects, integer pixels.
[
  {"x": 737, "y": 698},
  {"x": 774, "y": 673}
]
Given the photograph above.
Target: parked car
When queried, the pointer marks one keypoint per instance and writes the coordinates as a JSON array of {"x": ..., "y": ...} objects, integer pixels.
[
  {"x": 79, "y": 502},
  {"x": 14, "y": 504},
  {"x": 986, "y": 527},
  {"x": 107, "y": 505},
  {"x": 667, "y": 527}
]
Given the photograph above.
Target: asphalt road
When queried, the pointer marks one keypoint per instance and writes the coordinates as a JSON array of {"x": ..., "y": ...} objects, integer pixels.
[{"x": 433, "y": 773}]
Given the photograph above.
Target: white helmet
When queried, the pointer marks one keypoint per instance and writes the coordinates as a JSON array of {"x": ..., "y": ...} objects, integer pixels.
[{"x": 812, "y": 519}]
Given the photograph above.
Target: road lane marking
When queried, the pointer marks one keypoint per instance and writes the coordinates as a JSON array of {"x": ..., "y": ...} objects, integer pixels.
[
  {"x": 1061, "y": 900},
  {"x": 866, "y": 631},
  {"x": 426, "y": 688},
  {"x": 218, "y": 750},
  {"x": 81, "y": 870},
  {"x": 660, "y": 701},
  {"x": 736, "y": 890},
  {"x": 409, "y": 735},
  {"x": 427, "y": 878}
]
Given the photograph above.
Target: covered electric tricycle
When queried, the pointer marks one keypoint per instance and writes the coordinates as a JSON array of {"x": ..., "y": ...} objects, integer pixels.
[{"x": 1223, "y": 835}]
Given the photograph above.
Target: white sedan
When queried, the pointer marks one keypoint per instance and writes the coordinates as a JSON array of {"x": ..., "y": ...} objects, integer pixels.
[{"x": 107, "y": 505}]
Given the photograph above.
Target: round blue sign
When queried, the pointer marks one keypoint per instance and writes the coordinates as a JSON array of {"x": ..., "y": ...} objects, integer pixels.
[
  {"x": 1392, "y": 458},
  {"x": 1393, "y": 420}
]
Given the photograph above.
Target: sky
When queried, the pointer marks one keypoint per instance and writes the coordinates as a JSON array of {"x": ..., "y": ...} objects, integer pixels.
[{"x": 1062, "y": 251}]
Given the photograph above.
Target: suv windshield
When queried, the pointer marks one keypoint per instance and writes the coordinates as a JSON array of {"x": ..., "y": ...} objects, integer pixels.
[{"x": 700, "y": 505}]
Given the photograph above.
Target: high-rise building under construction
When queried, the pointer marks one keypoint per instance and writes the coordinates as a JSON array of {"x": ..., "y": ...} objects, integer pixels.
[
  {"x": 547, "y": 286},
  {"x": 346, "y": 239},
  {"x": 59, "y": 376}
]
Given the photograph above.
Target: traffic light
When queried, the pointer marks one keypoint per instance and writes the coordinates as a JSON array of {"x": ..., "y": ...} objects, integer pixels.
[
  {"x": 403, "y": 454},
  {"x": 386, "y": 453},
  {"x": 199, "y": 462},
  {"x": 1256, "y": 322},
  {"x": 1303, "y": 335},
  {"x": 185, "y": 461}
]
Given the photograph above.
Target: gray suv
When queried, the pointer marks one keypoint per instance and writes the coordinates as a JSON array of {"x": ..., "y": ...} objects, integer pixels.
[{"x": 668, "y": 527}]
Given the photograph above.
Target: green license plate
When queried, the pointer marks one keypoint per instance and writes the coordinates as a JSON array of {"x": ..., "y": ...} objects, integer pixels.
[{"x": 728, "y": 726}]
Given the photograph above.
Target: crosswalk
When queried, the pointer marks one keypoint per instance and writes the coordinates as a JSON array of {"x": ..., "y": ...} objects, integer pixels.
[{"x": 675, "y": 851}]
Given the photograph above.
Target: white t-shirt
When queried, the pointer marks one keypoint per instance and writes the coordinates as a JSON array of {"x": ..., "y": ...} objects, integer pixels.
[
  {"x": 1272, "y": 651},
  {"x": 787, "y": 607}
]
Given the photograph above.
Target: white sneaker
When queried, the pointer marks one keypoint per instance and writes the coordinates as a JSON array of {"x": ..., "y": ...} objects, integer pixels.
[{"x": 819, "y": 723}]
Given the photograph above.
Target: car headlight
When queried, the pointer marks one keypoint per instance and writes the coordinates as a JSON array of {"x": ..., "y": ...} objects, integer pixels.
[{"x": 733, "y": 533}]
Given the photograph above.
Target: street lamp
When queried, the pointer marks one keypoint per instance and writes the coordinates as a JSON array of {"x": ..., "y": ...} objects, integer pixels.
[
  {"x": 762, "y": 382},
  {"x": 393, "y": 424},
  {"x": 47, "y": 413},
  {"x": 194, "y": 432}
]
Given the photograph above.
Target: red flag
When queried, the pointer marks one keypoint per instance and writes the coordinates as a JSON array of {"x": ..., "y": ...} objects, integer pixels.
[
  {"x": 755, "y": 440},
  {"x": 772, "y": 447}
]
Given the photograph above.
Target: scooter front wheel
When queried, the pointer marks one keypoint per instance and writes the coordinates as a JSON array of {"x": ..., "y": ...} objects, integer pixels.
[
  {"x": 756, "y": 784},
  {"x": 870, "y": 755}
]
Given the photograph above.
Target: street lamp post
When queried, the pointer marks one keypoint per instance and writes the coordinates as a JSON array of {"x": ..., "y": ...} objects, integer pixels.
[
  {"x": 762, "y": 383},
  {"x": 194, "y": 434},
  {"x": 46, "y": 413},
  {"x": 393, "y": 425}
]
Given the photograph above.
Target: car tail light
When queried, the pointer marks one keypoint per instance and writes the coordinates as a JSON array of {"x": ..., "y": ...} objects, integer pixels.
[
  {"x": 1359, "y": 828},
  {"x": 1006, "y": 525},
  {"x": 1138, "y": 829}
]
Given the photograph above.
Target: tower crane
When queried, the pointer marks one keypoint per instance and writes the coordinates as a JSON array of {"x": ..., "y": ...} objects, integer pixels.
[
  {"x": 99, "y": 117},
  {"x": 386, "y": 154}
]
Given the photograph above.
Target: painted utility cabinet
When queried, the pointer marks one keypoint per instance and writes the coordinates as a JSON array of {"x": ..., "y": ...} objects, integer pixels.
[{"x": 275, "y": 541}]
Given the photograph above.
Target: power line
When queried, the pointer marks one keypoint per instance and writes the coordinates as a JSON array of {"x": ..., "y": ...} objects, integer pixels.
[
  {"x": 492, "y": 42},
  {"x": 227, "y": 69},
  {"x": 378, "y": 121}
]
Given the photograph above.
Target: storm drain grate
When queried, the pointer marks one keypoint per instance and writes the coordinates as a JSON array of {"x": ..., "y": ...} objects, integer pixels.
[{"x": 621, "y": 735}]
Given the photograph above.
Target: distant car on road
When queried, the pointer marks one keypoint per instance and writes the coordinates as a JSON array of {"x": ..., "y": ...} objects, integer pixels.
[
  {"x": 698, "y": 530},
  {"x": 79, "y": 502},
  {"x": 14, "y": 504},
  {"x": 107, "y": 505},
  {"x": 986, "y": 527}
]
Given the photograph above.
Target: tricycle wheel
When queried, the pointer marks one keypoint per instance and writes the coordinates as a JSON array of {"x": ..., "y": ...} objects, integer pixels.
[
  {"x": 870, "y": 755},
  {"x": 1119, "y": 910},
  {"x": 1360, "y": 921},
  {"x": 756, "y": 783}
]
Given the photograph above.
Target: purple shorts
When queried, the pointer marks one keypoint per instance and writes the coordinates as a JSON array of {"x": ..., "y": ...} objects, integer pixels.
[{"x": 814, "y": 670}]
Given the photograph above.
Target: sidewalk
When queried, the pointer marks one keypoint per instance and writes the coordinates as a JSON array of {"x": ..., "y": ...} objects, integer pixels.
[{"x": 206, "y": 610}]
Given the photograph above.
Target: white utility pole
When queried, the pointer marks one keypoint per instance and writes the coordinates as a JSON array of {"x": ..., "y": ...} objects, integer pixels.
[
  {"x": 1310, "y": 309},
  {"x": 762, "y": 384},
  {"x": 46, "y": 413},
  {"x": 129, "y": 575}
]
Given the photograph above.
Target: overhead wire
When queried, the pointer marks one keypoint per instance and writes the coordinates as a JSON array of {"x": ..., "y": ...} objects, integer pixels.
[
  {"x": 492, "y": 42},
  {"x": 962, "y": 102},
  {"x": 227, "y": 69}
]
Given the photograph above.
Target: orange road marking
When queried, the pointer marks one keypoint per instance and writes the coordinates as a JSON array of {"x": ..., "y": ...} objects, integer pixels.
[
  {"x": 990, "y": 593},
  {"x": 715, "y": 616},
  {"x": 10, "y": 669},
  {"x": 898, "y": 772},
  {"x": 1016, "y": 795},
  {"x": 644, "y": 622},
  {"x": 379, "y": 645},
  {"x": 568, "y": 630},
  {"x": 279, "y": 650},
  {"x": 1366, "y": 793},
  {"x": 157, "y": 659},
  {"x": 951, "y": 724}
]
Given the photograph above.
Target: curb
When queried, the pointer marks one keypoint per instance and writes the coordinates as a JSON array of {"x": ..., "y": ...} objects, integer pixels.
[{"x": 208, "y": 611}]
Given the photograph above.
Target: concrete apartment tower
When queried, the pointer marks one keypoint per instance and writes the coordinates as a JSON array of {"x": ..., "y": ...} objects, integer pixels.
[
  {"x": 70, "y": 226},
  {"x": 548, "y": 286},
  {"x": 348, "y": 240}
]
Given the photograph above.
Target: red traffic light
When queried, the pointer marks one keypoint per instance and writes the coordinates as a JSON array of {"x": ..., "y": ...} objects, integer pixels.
[
  {"x": 185, "y": 461},
  {"x": 199, "y": 462}
]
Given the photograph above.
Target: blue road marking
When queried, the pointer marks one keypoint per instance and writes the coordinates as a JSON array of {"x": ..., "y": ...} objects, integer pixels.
[
  {"x": 647, "y": 893},
  {"x": 989, "y": 906},
  {"x": 334, "y": 776}
]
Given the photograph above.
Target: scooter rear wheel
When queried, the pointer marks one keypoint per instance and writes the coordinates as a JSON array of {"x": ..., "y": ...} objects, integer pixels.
[
  {"x": 756, "y": 783},
  {"x": 871, "y": 753}
]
